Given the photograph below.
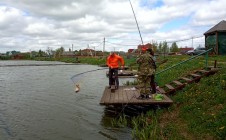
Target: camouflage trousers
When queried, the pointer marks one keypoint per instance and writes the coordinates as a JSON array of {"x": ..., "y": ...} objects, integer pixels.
[{"x": 144, "y": 83}]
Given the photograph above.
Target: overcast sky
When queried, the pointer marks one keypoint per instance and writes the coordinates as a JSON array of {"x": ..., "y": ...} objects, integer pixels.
[{"x": 28, "y": 25}]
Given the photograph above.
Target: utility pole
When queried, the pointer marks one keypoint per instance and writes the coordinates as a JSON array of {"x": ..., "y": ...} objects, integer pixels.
[
  {"x": 72, "y": 48},
  {"x": 94, "y": 51},
  {"x": 103, "y": 46}
]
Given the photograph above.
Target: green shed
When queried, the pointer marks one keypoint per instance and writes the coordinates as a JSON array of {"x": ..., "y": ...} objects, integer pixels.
[{"x": 216, "y": 38}]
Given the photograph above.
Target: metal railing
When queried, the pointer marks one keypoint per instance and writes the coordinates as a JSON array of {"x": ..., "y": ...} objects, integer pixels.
[{"x": 193, "y": 57}]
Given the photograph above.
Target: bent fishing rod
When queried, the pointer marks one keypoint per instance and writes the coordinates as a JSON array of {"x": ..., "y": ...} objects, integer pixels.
[
  {"x": 136, "y": 22},
  {"x": 79, "y": 74}
]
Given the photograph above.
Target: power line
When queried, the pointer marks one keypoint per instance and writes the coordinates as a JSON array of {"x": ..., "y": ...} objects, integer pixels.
[
  {"x": 118, "y": 38},
  {"x": 184, "y": 39},
  {"x": 122, "y": 44}
]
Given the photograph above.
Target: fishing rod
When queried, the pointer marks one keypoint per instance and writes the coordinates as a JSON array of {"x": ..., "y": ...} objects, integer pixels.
[
  {"x": 136, "y": 22},
  {"x": 80, "y": 74}
]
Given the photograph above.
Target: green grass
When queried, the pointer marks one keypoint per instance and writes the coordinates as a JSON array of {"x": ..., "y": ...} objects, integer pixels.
[
  {"x": 204, "y": 106},
  {"x": 85, "y": 60},
  {"x": 198, "y": 111}
]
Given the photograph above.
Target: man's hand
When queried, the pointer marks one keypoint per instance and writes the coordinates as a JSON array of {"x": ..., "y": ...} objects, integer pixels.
[{"x": 122, "y": 67}]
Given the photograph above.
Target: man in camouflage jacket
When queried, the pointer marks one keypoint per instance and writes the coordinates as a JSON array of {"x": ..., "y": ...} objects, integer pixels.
[{"x": 146, "y": 71}]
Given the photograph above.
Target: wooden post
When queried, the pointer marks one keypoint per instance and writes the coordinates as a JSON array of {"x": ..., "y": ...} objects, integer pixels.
[
  {"x": 215, "y": 63},
  {"x": 217, "y": 43}
]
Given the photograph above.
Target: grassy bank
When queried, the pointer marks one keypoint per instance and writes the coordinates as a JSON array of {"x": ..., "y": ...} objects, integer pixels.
[
  {"x": 84, "y": 60},
  {"x": 198, "y": 111}
]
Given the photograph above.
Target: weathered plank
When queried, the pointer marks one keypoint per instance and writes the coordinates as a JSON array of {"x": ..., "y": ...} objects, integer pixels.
[
  {"x": 116, "y": 98},
  {"x": 186, "y": 79},
  {"x": 112, "y": 97},
  {"x": 178, "y": 83},
  {"x": 195, "y": 75},
  {"x": 203, "y": 71},
  {"x": 169, "y": 87},
  {"x": 120, "y": 95},
  {"x": 161, "y": 90},
  {"x": 105, "y": 97}
]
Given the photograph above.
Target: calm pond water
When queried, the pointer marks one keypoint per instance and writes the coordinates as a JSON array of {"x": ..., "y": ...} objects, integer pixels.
[{"x": 39, "y": 103}]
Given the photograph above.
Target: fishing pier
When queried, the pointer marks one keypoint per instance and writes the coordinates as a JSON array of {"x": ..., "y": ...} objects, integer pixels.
[{"x": 128, "y": 95}]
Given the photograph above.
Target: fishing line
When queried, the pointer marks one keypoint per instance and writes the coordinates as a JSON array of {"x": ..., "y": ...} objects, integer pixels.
[
  {"x": 136, "y": 22},
  {"x": 78, "y": 76}
]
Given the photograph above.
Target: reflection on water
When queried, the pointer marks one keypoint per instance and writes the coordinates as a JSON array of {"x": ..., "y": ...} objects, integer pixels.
[{"x": 40, "y": 103}]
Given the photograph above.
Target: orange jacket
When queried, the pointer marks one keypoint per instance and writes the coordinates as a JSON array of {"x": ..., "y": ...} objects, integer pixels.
[{"x": 112, "y": 61}]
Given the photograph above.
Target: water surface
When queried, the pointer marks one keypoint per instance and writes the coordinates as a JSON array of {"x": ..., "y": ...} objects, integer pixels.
[{"x": 39, "y": 103}]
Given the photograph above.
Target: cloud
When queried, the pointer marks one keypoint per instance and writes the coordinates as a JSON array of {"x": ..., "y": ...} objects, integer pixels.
[
  {"x": 38, "y": 24},
  {"x": 210, "y": 13},
  {"x": 11, "y": 21}
]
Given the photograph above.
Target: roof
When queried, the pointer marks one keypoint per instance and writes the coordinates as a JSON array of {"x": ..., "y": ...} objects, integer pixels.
[
  {"x": 186, "y": 49},
  {"x": 220, "y": 27},
  {"x": 130, "y": 50},
  {"x": 68, "y": 53},
  {"x": 88, "y": 50}
]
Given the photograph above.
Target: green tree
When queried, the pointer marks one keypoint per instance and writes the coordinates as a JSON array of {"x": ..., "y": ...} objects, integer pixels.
[
  {"x": 165, "y": 48},
  {"x": 41, "y": 53},
  {"x": 174, "y": 47},
  {"x": 159, "y": 50},
  {"x": 154, "y": 44},
  {"x": 59, "y": 52}
]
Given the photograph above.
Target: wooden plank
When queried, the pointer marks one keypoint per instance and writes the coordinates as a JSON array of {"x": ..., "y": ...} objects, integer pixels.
[
  {"x": 125, "y": 98},
  {"x": 131, "y": 96},
  {"x": 120, "y": 95},
  {"x": 203, "y": 71},
  {"x": 112, "y": 88},
  {"x": 186, "y": 79},
  {"x": 169, "y": 87},
  {"x": 106, "y": 96},
  {"x": 116, "y": 96},
  {"x": 112, "y": 97},
  {"x": 136, "y": 100},
  {"x": 103, "y": 97},
  {"x": 195, "y": 75},
  {"x": 178, "y": 83},
  {"x": 161, "y": 90}
]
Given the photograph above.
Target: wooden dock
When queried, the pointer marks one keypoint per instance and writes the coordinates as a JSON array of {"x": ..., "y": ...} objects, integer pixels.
[
  {"x": 127, "y": 95},
  {"x": 125, "y": 74}
]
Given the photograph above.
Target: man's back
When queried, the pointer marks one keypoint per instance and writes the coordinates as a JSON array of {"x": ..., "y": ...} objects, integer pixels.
[{"x": 146, "y": 64}]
